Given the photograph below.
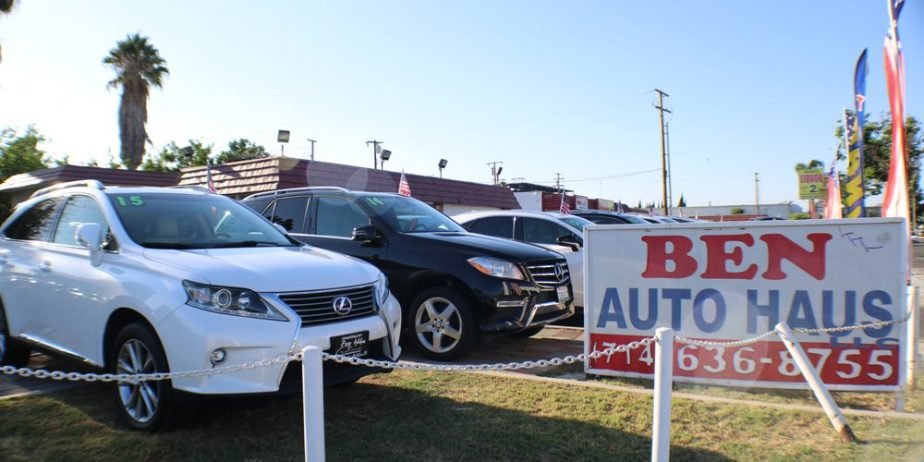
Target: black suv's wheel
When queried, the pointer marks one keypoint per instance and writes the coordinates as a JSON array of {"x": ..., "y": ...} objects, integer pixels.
[
  {"x": 443, "y": 326},
  {"x": 12, "y": 353},
  {"x": 526, "y": 333},
  {"x": 144, "y": 406}
]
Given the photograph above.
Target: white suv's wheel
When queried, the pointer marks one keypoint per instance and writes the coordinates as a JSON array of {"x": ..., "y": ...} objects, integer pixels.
[
  {"x": 145, "y": 405},
  {"x": 443, "y": 324}
]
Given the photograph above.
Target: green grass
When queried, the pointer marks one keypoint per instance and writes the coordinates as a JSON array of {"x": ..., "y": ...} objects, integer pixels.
[{"x": 439, "y": 416}]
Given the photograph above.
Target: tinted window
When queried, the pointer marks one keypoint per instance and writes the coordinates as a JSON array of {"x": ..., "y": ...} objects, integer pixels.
[
  {"x": 542, "y": 231},
  {"x": 77, "y": 210},
  {"x": 337, "y": 217},
  {"x": 493, "y": 226},
  {"x": 36, "y": 223},
  {"x": 290, "y": 213}
]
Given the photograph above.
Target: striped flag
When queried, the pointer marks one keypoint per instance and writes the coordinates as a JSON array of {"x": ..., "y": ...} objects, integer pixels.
[
  {"x": 564, "y": 208},
  {"x": 404, "y": 188},
  {"x": 895, "y": 200},
  {"x": 208, "y": 176}
]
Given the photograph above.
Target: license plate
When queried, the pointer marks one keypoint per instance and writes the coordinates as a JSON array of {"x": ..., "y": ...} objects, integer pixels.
[
  {"x": 562, "y": 294},
  {"x": 356, "y": 344}
]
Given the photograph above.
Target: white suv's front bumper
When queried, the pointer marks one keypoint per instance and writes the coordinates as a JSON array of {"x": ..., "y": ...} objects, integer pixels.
[{"x": 190, "y": 335}]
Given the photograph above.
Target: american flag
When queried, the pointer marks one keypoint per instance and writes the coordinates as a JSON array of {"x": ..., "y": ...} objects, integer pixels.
[
  {"x": 565, "y": 208},
  {"x": 208, "y": 176},
  {"x": 404, "y": 188}
]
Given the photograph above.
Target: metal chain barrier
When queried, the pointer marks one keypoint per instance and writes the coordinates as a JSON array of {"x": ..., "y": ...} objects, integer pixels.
[
  {"x": 800, "y": 330},
  {"x": 134, "y": 378},
  {"x": 297, "y": 356}
]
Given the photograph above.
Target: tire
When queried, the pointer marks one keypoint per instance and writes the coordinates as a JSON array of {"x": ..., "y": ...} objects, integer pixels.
[
  {"x": 526, "y": 333},
  {"x": 12, "y": 353},
  {"x": 443, "y": 326},
  {"x": 144, "y": 406}
]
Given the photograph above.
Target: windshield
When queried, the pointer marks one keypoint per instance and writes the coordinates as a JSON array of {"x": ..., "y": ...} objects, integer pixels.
[
  {"x": 576, "y": 222},
  {"x": 408, "y": 215},
  {"x": 183, "y": 221}
]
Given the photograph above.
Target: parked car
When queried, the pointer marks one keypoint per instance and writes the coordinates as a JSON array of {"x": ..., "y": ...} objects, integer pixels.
[
  {"x": 454, "y": 285},
  {"x": 608, "y": 217},
  {"x": 563, "y": 233},
  {"x": 146, "y": 280}
]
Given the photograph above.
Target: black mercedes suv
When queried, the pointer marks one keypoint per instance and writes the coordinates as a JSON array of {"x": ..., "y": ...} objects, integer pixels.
[{"x": 453, "y": 285}]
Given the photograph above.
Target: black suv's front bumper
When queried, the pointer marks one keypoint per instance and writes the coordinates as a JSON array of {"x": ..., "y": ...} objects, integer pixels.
[{"x": 514, "y": 306}]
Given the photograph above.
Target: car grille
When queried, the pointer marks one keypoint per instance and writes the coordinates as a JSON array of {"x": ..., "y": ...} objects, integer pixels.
[
  {"x": 544, "y": 273},
  {"x": 316, "y": 308}
]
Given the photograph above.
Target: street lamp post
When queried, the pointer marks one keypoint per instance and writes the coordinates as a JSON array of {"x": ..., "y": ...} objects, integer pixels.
[
  {"x": 385, "y": 155},
  {"x": 442, "y": 165},
  {"x": 282, "y": 137}
]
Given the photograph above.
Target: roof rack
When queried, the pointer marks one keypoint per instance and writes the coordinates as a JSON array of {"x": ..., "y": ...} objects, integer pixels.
[
  {"x": 70, "y": 184},
  {"x": 197, "y": 187},
  {"x": 298, "y": 190}
]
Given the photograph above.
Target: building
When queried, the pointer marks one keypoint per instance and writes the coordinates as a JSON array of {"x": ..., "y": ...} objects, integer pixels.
[
  {"x": 19, "y": 187},
  {"x": 242, "y": 178}
]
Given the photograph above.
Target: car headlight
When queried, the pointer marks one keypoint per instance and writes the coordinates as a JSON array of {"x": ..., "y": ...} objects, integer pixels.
[
  {"x": 497, "y": 268},
  {"x": 229, "y": 300},
  {"x": 381, "y": 290}
]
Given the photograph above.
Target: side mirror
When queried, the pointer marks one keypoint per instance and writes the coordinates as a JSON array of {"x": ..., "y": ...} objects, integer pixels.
[
  {"x": 365, "y": 233},
  {"x": 89, "y": 235},
  {"x": 570, "y": 241}
]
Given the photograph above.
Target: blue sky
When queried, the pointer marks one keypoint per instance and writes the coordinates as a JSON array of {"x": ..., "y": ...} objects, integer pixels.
[{"x": 544, "y": 87}]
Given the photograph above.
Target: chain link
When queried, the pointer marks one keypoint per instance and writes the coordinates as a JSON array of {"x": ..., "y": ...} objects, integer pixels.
[
  {"x": 353, "y": 360},
  {"x": 135, "y": 378}
]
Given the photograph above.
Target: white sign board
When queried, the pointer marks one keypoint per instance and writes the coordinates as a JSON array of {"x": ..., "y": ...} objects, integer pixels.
[{"x": 735, "y": 281}]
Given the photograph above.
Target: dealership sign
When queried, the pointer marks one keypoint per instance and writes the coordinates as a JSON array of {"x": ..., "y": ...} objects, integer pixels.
[{"x": 721, "y": 282}]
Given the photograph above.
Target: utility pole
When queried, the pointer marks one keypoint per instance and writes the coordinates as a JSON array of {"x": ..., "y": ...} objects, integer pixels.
[
  {"x": 312, "y": 147},
  {"x": 756, "y": 195},
  {"x": 558, "y": 179},
  {"x": 495, "y": 170},
  {"x": 661, "y": 112},
  {"x": 375, "y": 152}
]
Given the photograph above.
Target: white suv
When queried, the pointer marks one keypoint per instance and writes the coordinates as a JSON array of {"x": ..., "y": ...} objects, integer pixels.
[{"x": 143, "y": 280}]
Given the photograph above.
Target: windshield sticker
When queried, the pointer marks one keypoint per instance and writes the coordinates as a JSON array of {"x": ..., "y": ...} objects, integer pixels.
[{"x": 130, "y": 201}]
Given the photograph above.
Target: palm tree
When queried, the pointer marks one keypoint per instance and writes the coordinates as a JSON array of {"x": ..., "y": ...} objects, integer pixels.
[
  {"x": 6, "y": 6},
  {"x": 813, "y": 164},
  {"x": 138, "y": 66}
]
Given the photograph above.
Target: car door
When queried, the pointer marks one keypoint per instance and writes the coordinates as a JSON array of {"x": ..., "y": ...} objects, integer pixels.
[
  {"x": 71, "y": 304},
  {"x": 546, "y": 233},
  {"x": 23, "y": 270},
  {"x": 331, "y": 223}
]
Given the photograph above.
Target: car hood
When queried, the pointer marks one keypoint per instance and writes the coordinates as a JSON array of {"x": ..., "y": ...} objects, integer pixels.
[
  {"x": 268, "y": 269},
  {"x": 482, "y": 245}
]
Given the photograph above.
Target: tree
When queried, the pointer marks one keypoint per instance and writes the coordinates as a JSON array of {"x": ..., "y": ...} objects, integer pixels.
[
  {"x": 19, "y": 154},
  {"x": 172, "y": 157},
  {"x": 138, "y": 66},
  {"x": 737, "y": 211},
  {"x": 877, "y": 152},
  {"x": 241, "y": 149},
  {"x": 681, "y": 202}
]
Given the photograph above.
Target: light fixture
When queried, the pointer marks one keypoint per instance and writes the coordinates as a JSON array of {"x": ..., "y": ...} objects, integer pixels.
[
  {"x": 282, "y": 137},
  {"x": 442, "y": 164},
  {"x": 385, "y": 155}
]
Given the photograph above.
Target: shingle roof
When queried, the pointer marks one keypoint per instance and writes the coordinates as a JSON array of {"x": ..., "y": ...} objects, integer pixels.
[
  {"x": 252, "y": 176},
  {"x": 108, "y": 176}
]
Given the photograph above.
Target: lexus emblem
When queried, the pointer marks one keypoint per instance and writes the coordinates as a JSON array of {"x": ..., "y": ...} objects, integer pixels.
[
  {"x": 559, "y": 272},
  {"x": 342, "y": 305}
]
